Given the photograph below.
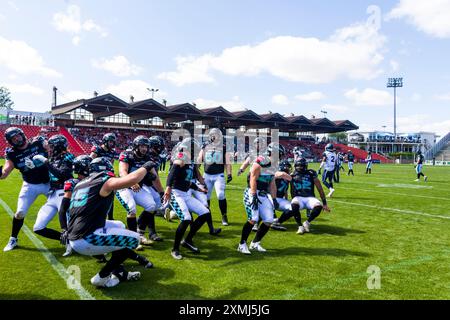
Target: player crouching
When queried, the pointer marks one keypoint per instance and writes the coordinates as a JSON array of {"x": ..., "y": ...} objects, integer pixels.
[
  {"x": 302, "y": 191},
  {"x": 89, "y": 231}
]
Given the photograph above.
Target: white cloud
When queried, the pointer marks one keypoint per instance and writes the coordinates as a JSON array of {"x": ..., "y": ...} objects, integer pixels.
[
  {"x": 71, "y": 22},
  {"x": 353, "y": 52},
  {"x": 73, "y": 96},
  {"x": 311, "y": 96},
  {"x": 235, "y": 104},
  {"x": 118, "y": 65},
  {"x": 416, "y": 97},
  {"x": 394, "y": 65},
  {"x": 280, "y": 99},
  {"x": 13, "y": 5},
  {"x": 24, "y": 88},
  {"x": 422, "y": 122},
  {"x": 443, "y": 97},
  {"x": 369, "y": 97},
  {"x": 335, "y": 108},
  {"x": 431, "y": 16},
  {"x": 136, "y": 88},
  {"x": 20, "y": 58}
]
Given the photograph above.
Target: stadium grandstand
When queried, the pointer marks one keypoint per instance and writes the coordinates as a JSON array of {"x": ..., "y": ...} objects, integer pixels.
[{"x": 83, "y": 122}]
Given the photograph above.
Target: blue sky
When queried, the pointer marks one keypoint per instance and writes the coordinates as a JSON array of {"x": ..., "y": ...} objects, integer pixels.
[{"x": 296, "y": 57}]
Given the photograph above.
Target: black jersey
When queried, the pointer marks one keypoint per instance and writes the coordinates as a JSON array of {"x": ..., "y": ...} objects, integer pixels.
[
  {"x": 420, "y": 159},
  {"x": 351, "y": 158},
  {"x": 214, "y": 158},
  {"x": 302, "y": 184},
  {"x": 265, "y": 177},
  {"x": 70, "y": 184},
  {"x": 180, "y": 177},
  {"x": 88, "y": 209},
  {"x": 60, "y": 169},
  {"x": 100, "y": 152},
  {"x": 33, "y": 173},
  {"x": 282, "y": 186},
  {"x": 135, "y": 162}
]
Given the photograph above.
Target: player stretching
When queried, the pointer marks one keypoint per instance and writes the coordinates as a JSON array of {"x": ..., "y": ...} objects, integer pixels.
[
  {"x": 282, "y": 181},
  {"x": 216, "y": 160},
  {"x": 89, "y": 232},
  {"x": 369, "y": 163},
  {"x": 329, "y": 165},
  {"x": 35, "y": 175},
  {"x": 351, "y": 161},
  {"x": 179, "y": 182},
  {"x": 60, "y": 168},
  {"x": 302, "y": 191},
  {"x": 419, "y": 165},
  {"x": 260, "y": 197}
]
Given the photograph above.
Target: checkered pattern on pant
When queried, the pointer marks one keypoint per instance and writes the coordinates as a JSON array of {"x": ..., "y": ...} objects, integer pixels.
[
  {"x": 123, "y": 203},
  {"x": 247, "y": 204},
  {"x": 112, "y": 241},
  {"x": 176, "y": 207}
]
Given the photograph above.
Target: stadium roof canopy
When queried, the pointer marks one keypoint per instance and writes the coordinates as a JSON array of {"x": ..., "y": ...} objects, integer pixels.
[{"x": 108, "y": 105}]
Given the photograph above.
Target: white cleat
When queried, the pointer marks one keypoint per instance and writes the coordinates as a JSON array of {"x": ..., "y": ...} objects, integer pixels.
[
  {"x": 417, "y": 180},
  {"x": 243, "y": 249},
  {"x": 306, "y": 225},
  {"x": 133, "y": 275},
  {"x": 12, "y": 243},
  {"x": 144, "y": 241},
  {"x": 331, "y": 193},
  {"x": 106, "y": 282},
  {"x": 167, "y": 215},
  {"x": 257, "y": 246},
  {"x": 69, "y": 250},
  {"x": 255, "y": 227},
  {"x": 301, "y": 230}
]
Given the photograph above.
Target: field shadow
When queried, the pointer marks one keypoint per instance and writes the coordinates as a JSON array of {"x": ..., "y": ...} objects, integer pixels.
[
  {"x": 292, "y": 251},
  {"x": 333, "y": 230},
  {"x": 151, "y": 287}
]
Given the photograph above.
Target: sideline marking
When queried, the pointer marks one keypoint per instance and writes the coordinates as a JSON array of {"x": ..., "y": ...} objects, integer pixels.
[{"x": 57, "y": 266}]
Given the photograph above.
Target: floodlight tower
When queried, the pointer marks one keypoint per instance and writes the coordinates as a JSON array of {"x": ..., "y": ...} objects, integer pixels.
[{"x": 395, "y": 83}]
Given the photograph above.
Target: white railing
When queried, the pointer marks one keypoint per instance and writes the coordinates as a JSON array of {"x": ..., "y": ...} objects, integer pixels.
[{"x": 437, "y": 147}]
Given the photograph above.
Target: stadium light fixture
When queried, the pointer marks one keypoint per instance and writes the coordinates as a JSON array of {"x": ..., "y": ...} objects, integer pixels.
[
  {"x": 324, "y": 113},
  {"x": 395, "y": 83},
  {"x": 153, "y": 90}
]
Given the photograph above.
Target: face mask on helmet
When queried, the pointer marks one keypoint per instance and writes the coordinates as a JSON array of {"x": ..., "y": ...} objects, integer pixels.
[
  {"x": 109, "y": 140},
  {"x": 57, "y": 145},
  {"x": 215, "y": 136},
  {"x": 15, "y": 137},
  {"x": 156, "y": 144},
  {"x": 141, "y": 145},
  {"x": 81, "y": 165},
  {"x": 301, "y": 165}
]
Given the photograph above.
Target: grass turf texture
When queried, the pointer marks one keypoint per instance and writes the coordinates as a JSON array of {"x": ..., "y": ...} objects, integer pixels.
[{"x": 411, "y": 249}]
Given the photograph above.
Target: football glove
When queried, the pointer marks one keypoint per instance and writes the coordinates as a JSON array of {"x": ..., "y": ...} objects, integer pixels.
[
  {"x": 254, "y": 203},
  {"x": 149, "y": 165},
  {"x": 39, "y": 159},
  {"x": 319, "y": 172},
  {"x": 276, "y": 205},
  {"x": 229, "y": 178},
  {"x": 64, "y": 237}
]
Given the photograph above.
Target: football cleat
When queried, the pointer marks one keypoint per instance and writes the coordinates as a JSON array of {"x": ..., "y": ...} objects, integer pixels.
[
  {"x": 278, "y": 227},
  {"x": 12, "y": 243},
  {"x": 301, "y": 230},
  {"x": 190, "y": 246},
  {"x": 224, "y": 220},
  {"x": 69, "y": 250},
  {"x": 417, "y": 180},
  {"x": 144, "y": 241},
  {"x": 155, "y": 237},
  {"x": 143, "y": 261},
  {"x": 133, "y": 275},
  {"x": 425, "y": 178},
  {"x": 255, "y": 227},
  {"x": 243, "y": 248},
  {"x": 215, "y": 232},
  {"x": 306, "y": 225},
  {"x": 257, "y": 246},
  {"x": 176, "y": 255},
  {"x": 331, "y": 193},
  {"x": 167, "y": 215},
  {"x": 108, "y": 282}
]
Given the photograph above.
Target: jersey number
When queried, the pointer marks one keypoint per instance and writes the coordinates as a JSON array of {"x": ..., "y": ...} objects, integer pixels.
[{"x": 79, "y": 198}]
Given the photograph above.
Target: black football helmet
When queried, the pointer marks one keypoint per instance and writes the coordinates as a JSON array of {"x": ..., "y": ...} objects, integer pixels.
[
  {"x": 12, "y": 132},
  {"x": 141, "y": 141},
  {"x": 157, "y": 144},
  {"x": 58, "y": 144},
  {"x": 107, "y": 138},
  {"x": 81, "y": 165},
  {"x": 301, "y": 165},
  {"x": 101, "y": 164},
  {"x": 285, "y": 166}
]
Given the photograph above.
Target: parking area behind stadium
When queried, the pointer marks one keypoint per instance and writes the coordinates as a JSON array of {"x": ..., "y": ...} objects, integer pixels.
[{"x": 385, "y": 222}]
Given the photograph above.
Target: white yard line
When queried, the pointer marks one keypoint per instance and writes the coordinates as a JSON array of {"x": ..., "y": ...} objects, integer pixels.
[
  {"x": 57, "y": 266},
  {"x": 395, "y": 193}
]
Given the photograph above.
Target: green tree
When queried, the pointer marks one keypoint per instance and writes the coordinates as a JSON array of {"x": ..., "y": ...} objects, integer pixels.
[{"x": 6, "y": 102}]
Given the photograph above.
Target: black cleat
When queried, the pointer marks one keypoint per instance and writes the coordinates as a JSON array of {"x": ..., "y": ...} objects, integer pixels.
[
  {"x": 224, "y": 220},
  {"x": 215, "y": 232},
  {"x": 155, "y": 237},
  {"x": 278, "y": 227},
  {"x": 143, "y": 261},
  {"x": 190, "y": 246}
]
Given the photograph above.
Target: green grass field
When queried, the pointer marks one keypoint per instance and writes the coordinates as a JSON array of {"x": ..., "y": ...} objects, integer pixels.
[{"x": 385, "y": 220}]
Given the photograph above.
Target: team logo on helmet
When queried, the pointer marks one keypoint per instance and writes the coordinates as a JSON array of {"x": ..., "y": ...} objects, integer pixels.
[
  {"x": 10, "y": 133},
  {"x": 109, "y": 140}
]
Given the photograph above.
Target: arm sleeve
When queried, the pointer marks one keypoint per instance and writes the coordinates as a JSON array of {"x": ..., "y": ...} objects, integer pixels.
[
  {"x": 174, "y": 171},
  {"x": 65, "y": 204}
]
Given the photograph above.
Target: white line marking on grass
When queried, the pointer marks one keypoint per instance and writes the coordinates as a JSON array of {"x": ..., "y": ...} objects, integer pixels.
[
  {"x": 403, "y": 185},
  {"x": 393, "y": 209},
  {"x": 57, "y": 266}
]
